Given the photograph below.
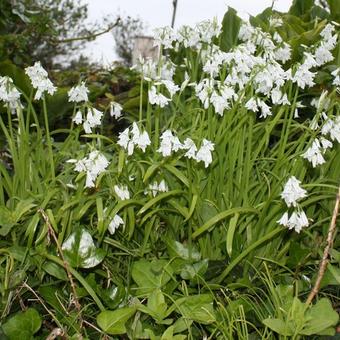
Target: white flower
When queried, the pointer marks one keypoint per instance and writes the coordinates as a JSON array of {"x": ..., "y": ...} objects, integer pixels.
[
  {"x": 333, "y": 128},
  {"x": 93, "y": 165},
  {"x": 251, "y": 105},
  {"x": 204, "y": 153},
  {"x": 164, "y": 36},
  {"x": 169, "y": 143},
  {"x": 78, "y": 93},
  {"x": 157, "y": 98},
  {"x": 303, "y": 77},
  {"x": 314, "y": 154},
  {"x": 283, "y": 53},
  {"x": 115, "y": 110},
  {"x": 155, "y": 188},
  {"x": 323, "y": 55},
  {"x": 296, "y": 221},
  {"x": 122, "y": 192},
  {"x": 191, "y": 147},
  {"x": 93, "y": 119},
  {"x": 9, "y": 93},
  {"x": 171, "y": 87},
  {"x": 292, "y": 192},
  {"x": 265, "y": 109},
  {"x": 78, "y": 118},
  {"x": 39, "y": 80},
  {"x": 141, "y": 140},
  {"x": 115, "y": 223}
]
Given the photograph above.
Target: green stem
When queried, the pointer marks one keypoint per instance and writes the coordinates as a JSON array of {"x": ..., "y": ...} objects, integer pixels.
[{"x": 48, "y": 138}]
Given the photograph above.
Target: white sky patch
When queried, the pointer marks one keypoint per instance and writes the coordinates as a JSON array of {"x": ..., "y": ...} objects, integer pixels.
[{"x": 158, "y": 13}]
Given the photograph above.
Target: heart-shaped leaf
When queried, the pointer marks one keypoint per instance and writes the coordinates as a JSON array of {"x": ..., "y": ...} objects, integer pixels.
[
  {"x": 113, "y": 322},
  {"x": 23, "y": 325}
]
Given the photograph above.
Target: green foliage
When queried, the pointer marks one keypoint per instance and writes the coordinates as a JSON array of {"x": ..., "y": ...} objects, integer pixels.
[
  {"x": 23, "y": 325},
  {"x": 205, "y": 258}
]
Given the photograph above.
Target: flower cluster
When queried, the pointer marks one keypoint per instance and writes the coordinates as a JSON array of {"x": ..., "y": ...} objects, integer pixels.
[
  {"x": 92, "y": 119},
  {"x": 78, "y": 93},
  {"x": 9, "y": 93},
  {"x": 93, "y": 165},
  {"x": 39, "y": 80},
  {"x": 155, "y": 188},
  {"x": 291, "y": 194},
  {"x": 129, "y": 139},
  {"x": 170, "y": 143}
]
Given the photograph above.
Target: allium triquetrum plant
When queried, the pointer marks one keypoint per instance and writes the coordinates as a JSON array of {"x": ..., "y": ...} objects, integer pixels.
[{"x": 203, "y": 218}]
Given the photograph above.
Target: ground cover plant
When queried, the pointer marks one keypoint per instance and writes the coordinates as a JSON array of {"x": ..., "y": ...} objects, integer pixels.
[{"x": 206, "y": 217}]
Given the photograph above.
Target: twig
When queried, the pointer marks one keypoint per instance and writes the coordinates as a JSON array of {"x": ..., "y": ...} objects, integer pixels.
[
  {"x": 324, "y": 261},
  {"x": 65, "y": 263},
  {"x": 87, "y": 37},
  {"x": 42, "y": 303}
]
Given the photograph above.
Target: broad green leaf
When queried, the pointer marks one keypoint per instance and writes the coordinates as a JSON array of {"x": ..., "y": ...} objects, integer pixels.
[
  {"x": 320, "y": 317},
  {"x": 23, "y": 325},
  {"x": 177, "y": 249},
  {"x": 113, "y": 322},
  {"x": 198, "y": 308},
  {"x": 80, "y": 250},
  {"x": 279, "y": 326},
  {"x": 195, "y": 271},
  {"x": 150, "y": 275},
  {"x": 231, "y": 24}
]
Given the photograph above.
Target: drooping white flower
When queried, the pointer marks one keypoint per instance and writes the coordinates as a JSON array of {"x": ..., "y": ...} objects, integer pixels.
[
  {"x": 164, "y": 36},
  {"x": 93, "y": 165},
  {"x": 115, "y": 223},
  {"x": 9, "y": 93},
  {"x": 332, "y": 127},
  {"x": 156, "y": 188},
  {"x": 93, "y": 119},
  {"x": 292, "y": 192},
  {"x": 191, "y": 148},
  {"x": 303, "y": 76},
  {"x": 265, "y": 109},
  {"x": 251, "y": 105},
  {"x": 171, "y": 87},
  {"x": 204, "y": 153},
  {"x": 39, "y": 80},
  {"x": 323, "y": 55},
  {"x": 128, "y": 140},
  {"x": 296, "y": 221},
  {"x": 122, "y": 192},
  {"x": 78, "y": 118},
  {"x": 78, "y": 93},
  {"x": 169, "y": 143},
  {"x": 115, "y": 110},
  {"x": 157, "y": 98},
  {"x": 314, "y": 154}
]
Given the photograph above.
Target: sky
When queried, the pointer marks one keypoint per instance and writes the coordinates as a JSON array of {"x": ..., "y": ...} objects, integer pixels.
[{"x": 158, "y": 13}]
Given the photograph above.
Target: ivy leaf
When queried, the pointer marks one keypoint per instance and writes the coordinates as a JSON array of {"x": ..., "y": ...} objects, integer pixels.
[
  {"x": 113, "y": 322},
  {"x": 80, "y": 250},
  {"x": 23, "y": 325}
]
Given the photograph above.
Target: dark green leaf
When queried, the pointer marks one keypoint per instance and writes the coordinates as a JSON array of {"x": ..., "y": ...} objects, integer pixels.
[
  {"x": 231, "y": 24},
  {"x": 80, "y": 250},
  {"x": 23, "y": 325}
]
